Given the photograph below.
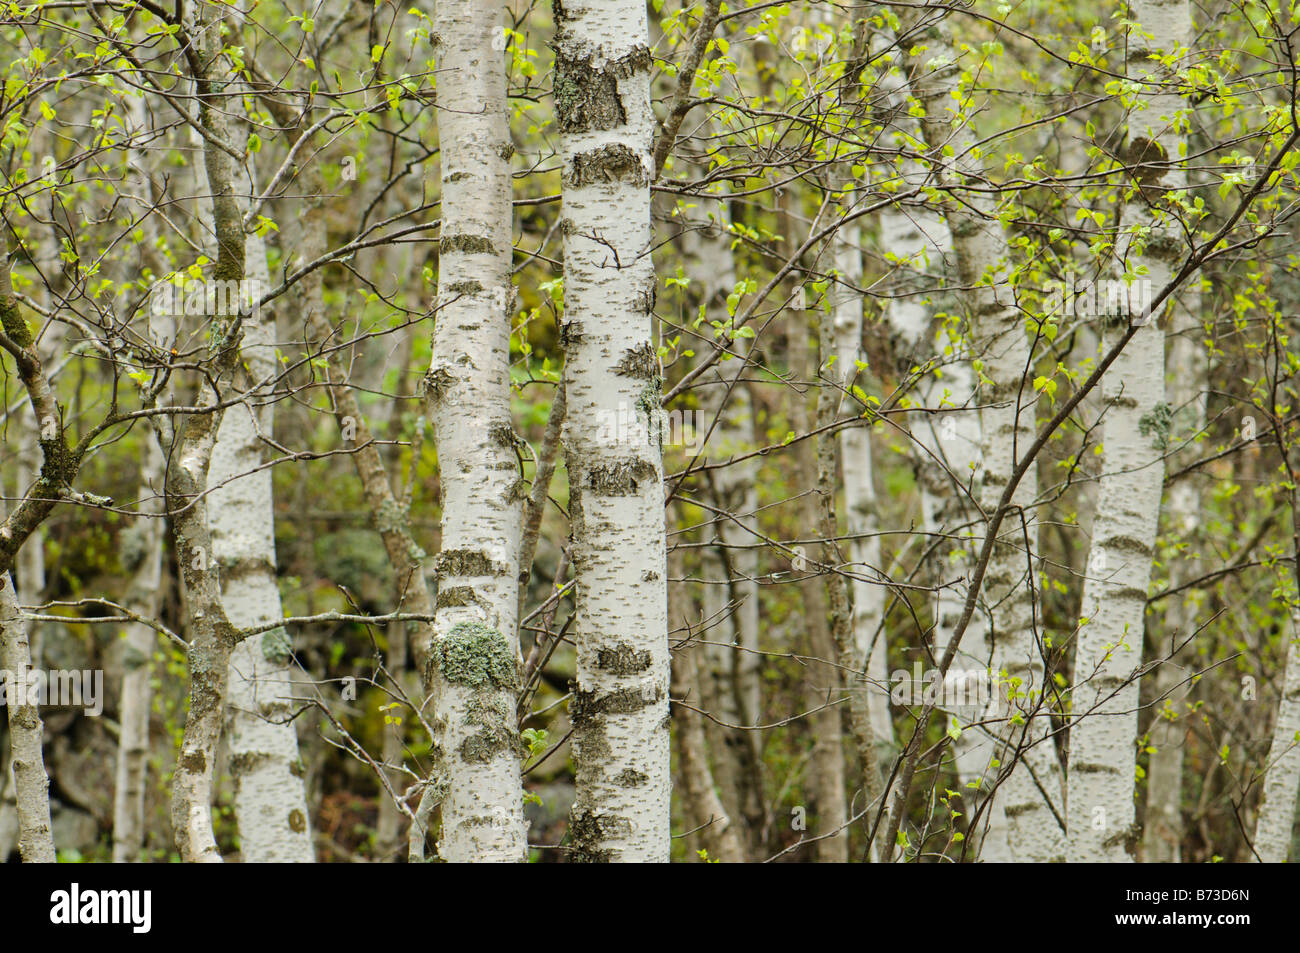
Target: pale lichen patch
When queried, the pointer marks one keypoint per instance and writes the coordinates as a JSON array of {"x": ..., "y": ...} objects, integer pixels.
[{"x": 475, "y": 655}]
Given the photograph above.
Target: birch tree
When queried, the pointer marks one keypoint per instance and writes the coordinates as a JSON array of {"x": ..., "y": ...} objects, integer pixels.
[
  {"x": 270, "y": 802},
  {"x": 620, "y": 702},
  {"x": 212, "y": 636},
  {"x": 26, "y": 729},
  {"x": 1186, "y": 369},
  {"x": 1109, "y": 645},
  {"x": 476, "y": 650}
]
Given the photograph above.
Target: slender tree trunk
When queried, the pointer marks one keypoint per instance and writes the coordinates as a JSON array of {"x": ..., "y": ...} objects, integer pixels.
[
  {"x": 704, "y": 810},
  {"x": 1103, "y": 727},
  {"x": 30, "y": 784},
  {"x": 861, "y": 517},
  {"x": 8, "y": 796},
  {"x": 717, "y": 830},
  {"x": 1163, "y": 827},
  {"x": 30, "y": 564},
  {"x": 824, "y": 692},
  {"x": 1276, "y": 822},
  {"x": 26, "y": 730},
  {"x": 620, "y": 703},
  {"x": 853, "y": 657},
  {"x": 142, "y": 554},
  {"x": 270, "y": 800},
  {"x": 476, "y": 651},
  {"x": 729, "y": 675},
  {"x": 211, "y": 636},
  {"x": 144, "y": 598},
  {"x": 388, "y": 829}
]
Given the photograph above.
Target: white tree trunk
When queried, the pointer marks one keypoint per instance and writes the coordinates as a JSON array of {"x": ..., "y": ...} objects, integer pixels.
[
  {"x": 1276, "y": 823},
  {"x": 862, "y": 522},
  {"x": 1103, "y": 726},
  {"x": 26, "y": 730},
  {"x": 30, "y": 563},
  {"x": 262, "y": 743},
  {"x": 143, "y": 553},
  {"x": 477, "y": 648},
  {"x": 144, "y": 597},
  {"x": 613, "y": 434},
  {"x": 1163, "y": 827}
]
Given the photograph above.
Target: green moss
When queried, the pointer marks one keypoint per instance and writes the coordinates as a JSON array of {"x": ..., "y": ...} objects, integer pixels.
[
  {"x": 14, "y": 324},
  {"x": 475, "y": 655},
  {"x": 391, "y": 517}
]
